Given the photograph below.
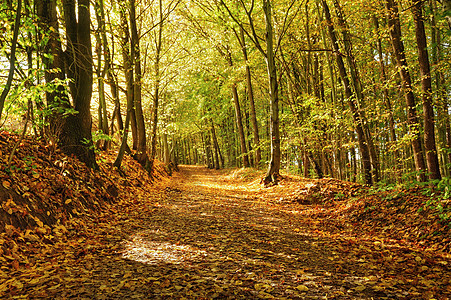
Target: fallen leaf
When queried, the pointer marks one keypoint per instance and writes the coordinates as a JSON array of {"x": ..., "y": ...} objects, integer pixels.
[{"x": 302, "y": 288}]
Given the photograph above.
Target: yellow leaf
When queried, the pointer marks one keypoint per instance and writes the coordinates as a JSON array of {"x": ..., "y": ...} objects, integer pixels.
[
  {"x": 6, "y": 184},
  {"x": 4, "y": 287},
  {"x": 34, "y": 281},
  {"x": 17, "y": 284},
  {"x": 35, "y": 175},
  {"x": 264, "y": 295},
  {"x": 68, "y": 201},
  {"x": 152, "y": 278},
  {"x": 302, "y": 288},
  {"x": 360, "y": 288}
]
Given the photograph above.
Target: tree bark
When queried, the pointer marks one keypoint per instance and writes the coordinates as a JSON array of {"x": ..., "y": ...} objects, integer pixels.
[
  {"x": 76, "y": 136},
  {"x": 356, "y": 83},
  {"x": 239, "y": 124},
  {"x": 216, "y": 145},
  {"x": 53, "y": 60},
  {"x": 156, "y": 96},
  {"x": 426, "y": 85},
  {"x": 272, "y": 175},
  {"x": 141, "y": 153},
  {"x": 250, "y": 93},
  {"x": 102, "y": 50},
  {"x": 128, "y": 72},
  {"x": 363, "y": 146},
  {"x": 398, "y": 49}
]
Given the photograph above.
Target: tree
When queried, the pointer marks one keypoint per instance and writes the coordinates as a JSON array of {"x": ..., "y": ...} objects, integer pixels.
[
  {"x": 76, "y": 136},
  {"x": 350, "y": 98},
  {"x": 156, "y": 96},
  {"x": 128, "y": 72},
  {"x": 426, "y": 85},
  {"x": 273, "y": 173},
  {"x": 250, "y": 93},
  {"x": 398, "y": 50},
  {"x": 141, "y": 153}
]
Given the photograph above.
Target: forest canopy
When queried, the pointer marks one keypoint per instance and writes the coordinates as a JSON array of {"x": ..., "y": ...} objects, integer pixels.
[{"x": 354, "y": 90}]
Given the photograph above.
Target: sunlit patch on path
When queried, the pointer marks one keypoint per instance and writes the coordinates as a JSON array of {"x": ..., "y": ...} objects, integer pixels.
[{"x": 142, "y": 249}]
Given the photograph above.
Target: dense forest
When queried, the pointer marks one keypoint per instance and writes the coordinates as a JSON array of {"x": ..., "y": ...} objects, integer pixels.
[
  {"x": 225, "y": 149},
  {"x": 354, "y": 90}
]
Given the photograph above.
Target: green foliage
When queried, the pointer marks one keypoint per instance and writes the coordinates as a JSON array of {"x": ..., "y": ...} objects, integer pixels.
[
  {"x": 99, "y": 135},
  {"x": 439, "y": 192}
]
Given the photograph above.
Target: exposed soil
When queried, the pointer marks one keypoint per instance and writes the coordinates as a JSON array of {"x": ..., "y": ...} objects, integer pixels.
[{"x": 205, "y": 234}]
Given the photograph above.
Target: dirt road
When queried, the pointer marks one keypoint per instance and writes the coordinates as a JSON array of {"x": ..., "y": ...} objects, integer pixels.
[{"x": 202, "y": 236}]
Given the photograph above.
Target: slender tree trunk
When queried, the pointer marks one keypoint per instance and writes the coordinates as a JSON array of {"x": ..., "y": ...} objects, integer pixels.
[
  {"x": 141, "y": 153},
  {"x": 128, "y": 72},
  {"x": 398, "y": 49},
  {"x": 426, "y": 85},
  {"x": 156, "y": 96},
  {"x": 250, "y": 93},
  {"x": 272, "y": 174},
  {"x": 363, "y": 146},
  {"x": 102, "y": 50},
  {"x": 239, "y": 123},
  {"x": 356, "y": 83},
  {"x": 216, "y": 145}
]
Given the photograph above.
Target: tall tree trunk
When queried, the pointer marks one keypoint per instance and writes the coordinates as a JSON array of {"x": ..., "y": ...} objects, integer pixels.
[
  {"x": 238, "y": 115},
  {"x": 363, "y": 146},
  {"x": 166, "y": 154},
  {"x": 239, "y": 124},
  {"x": 102, "y": 50},
  {"x": 440, "y": 87},
  {"x": 156, "y": 96},
  {"x": 128, "y": 72},
  {"x": 141, "y": 153},
  {"x": 76, "y": 137},
  {"x": 426, "y": 85},
  {"x": 272, "y": 174},
  {"x": 398, "y": 49},
  {"x": 356, "y": 83},
  {"x": 53, "y": 59},
  {"x": 250, "y": 93}
]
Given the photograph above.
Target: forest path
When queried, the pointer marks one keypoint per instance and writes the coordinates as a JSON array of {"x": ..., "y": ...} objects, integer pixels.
[{"x": 201, "y": 236}]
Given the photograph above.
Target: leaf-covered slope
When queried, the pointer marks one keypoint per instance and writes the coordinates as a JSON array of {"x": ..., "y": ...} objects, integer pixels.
[
  {"x": 406, "y": 215},
  {"x": 43, "y": 187}
]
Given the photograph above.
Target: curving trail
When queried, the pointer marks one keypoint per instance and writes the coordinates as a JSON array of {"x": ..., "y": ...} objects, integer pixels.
[{"x": 202, "y": 236}]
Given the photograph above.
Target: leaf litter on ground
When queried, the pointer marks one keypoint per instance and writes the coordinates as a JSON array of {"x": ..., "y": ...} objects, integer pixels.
[{"x": 69, "y": 232}]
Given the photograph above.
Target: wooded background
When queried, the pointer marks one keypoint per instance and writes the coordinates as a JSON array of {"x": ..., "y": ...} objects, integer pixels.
[{"x": 355, "y": 90}]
